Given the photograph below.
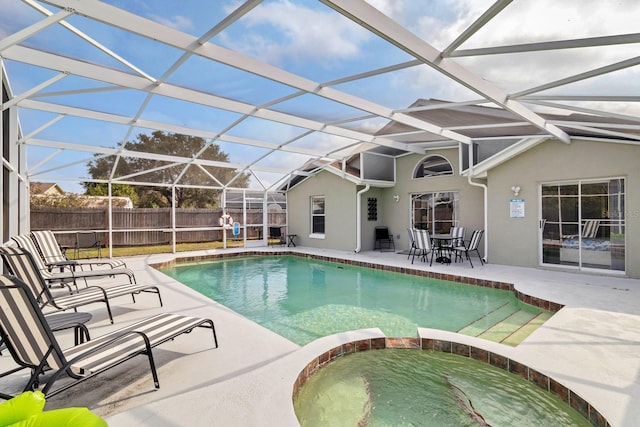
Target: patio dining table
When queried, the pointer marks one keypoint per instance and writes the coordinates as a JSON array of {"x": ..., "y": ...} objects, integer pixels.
[{"x": 441, "y": 242}]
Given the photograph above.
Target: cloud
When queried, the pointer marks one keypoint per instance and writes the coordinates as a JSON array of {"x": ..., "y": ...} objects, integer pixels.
[
  {"x": 391, "y": 8},
  {"x": 544, "y": 20},
  {"x": 177, "y": 22},
  {"x": 282, "y": 31},
  {"x": 522, "y": 22}
]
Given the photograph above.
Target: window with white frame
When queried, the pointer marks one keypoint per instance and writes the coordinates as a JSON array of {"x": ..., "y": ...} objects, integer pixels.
[
  {"x": 433, "y": 165},
  {"x": 317, "y": 215}
]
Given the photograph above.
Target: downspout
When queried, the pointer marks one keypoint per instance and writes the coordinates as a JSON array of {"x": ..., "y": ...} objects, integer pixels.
[
  {"x": 359, "y": 218},
  {"x": 486, "y": 202}
]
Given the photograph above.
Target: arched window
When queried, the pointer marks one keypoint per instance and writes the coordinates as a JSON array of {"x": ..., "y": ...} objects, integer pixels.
[{"x": 433, "y": 166}]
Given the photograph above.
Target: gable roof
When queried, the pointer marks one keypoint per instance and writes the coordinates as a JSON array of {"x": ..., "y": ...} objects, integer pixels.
[
  {"x": 482, "y": 123},
  {"x": 47, "y": 188}
]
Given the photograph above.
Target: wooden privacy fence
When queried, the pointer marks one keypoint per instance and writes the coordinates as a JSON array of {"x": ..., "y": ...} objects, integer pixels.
[{"x": 147, "y": 226}]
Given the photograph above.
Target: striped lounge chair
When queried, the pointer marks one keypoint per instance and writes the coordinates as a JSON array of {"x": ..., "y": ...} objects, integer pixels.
[
  {"x": 590, "y": 228},
  {"x": 69, "y": 274},
  {"x": 53, "y": 256},
  {"x": 32, "y": 344},
  {"x": 22, "y": 264}
]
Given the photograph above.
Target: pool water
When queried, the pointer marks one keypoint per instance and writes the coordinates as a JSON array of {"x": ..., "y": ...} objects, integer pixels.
[
  {"x": 304, "y": 299},
  {"x": 425, "y": 388}
]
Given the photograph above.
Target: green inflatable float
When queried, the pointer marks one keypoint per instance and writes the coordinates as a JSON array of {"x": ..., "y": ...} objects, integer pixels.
[{"x": 26, "y": 410}]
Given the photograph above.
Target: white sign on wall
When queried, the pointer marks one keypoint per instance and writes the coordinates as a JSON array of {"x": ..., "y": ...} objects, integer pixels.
[{"x": 516, "y": 208}]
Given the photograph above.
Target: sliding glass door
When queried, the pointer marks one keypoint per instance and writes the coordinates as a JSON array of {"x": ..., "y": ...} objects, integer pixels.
[
  {"x": 435, "y": 212},
  {"x": 582, "y": 224}
]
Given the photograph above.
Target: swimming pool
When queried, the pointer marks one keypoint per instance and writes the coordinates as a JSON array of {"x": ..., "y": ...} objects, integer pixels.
[{"x": 303, "y": 299}]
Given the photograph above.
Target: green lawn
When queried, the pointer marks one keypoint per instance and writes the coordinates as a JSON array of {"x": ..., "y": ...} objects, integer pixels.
[{"x": 156, "y": 249}]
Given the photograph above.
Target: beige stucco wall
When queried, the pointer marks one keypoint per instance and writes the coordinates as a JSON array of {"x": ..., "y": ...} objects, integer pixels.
[
  {"x": 341, "y": 196},
  {"x": 516, "y": 241},
  {"x": 511, "y": 241},
  {"x": 340, "y": 211},
  {"x": 398, "y": 215}
]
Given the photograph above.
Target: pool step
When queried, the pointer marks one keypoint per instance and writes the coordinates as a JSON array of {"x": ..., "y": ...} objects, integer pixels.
[
  {"x": 503, "y": 330},
  {"x": 525, "y": 330},
  {"x": 486, "y": 322},
  {"x": 504, "y": 325}
]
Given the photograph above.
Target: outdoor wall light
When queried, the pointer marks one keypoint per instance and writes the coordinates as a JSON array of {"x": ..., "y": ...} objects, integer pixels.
[
  {"x": 396, "y": 198},
  {"x": 516, "y": 190}
]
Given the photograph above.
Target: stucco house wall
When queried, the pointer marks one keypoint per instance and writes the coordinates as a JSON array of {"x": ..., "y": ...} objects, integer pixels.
[
  {"x": 511, "y": 241},
  {"x": 341, "y": 196},
  {"x": 368, "y": 238},
  {"x": 515, "y": 241},
  {"x": 340, "y": 211},
  {"x": 398, "y": 215}
]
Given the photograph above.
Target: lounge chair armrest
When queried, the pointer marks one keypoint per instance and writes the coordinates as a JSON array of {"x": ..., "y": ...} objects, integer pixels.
[
  {"x": 101, "y": 289},
  {"x": 62, "y": 264},
  {"x": 117, "y": 337}
]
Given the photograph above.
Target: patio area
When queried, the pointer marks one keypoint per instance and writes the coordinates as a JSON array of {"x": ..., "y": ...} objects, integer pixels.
[{"x": 590, "y": 346}]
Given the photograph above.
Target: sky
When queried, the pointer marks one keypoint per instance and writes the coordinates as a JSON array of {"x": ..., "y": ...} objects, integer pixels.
[{"x": 310, "y": 40}]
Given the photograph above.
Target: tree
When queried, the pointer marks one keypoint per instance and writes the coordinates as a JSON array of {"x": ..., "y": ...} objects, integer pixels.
[
  {"x": 158, "y": 171},
  {"x": 70, "y": 200},
  {"x": 122, "y": 190}
]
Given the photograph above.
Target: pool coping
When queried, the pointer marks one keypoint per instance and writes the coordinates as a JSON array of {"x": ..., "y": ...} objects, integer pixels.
[
  {"x": 551, "y": 306},
  {"x": 453, "y": 343}
]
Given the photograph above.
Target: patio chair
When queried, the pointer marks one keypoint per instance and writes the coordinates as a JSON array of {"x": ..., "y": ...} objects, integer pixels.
[
  {"x": 384, "y": 239},
  {"x": 445, "y": 247},
  {"x": 423, "y": 246},
  {"x": 21, "y": 264},
  {"x": 69, "y": 274},
  {"x": 53, "y": 256},
  {"x": 457, "y": 238},
  {"x": 474, "y": 243},
  {"x": 87, "y": 241},
  {"x": 32, "y": 344},
  {"x": 275, "y": 233},
  {"x": 411, "y": 232}
]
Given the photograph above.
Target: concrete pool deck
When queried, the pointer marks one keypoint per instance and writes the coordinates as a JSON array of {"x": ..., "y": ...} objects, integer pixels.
[{"x": 591, "y": 346}]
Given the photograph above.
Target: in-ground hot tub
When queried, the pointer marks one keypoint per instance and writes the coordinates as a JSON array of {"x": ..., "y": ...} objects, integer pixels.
[{"x": 429, "y": 382}]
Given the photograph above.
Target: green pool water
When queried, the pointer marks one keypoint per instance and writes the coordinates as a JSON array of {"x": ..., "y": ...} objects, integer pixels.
[
  {"x": 304, "y": 299},
  {"x": 425, "y": 388}
]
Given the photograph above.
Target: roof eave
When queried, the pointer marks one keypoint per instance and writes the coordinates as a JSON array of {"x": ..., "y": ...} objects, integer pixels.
[
  {"x": 481, "y": 169},
  {"x": 357, "y": 180}
]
